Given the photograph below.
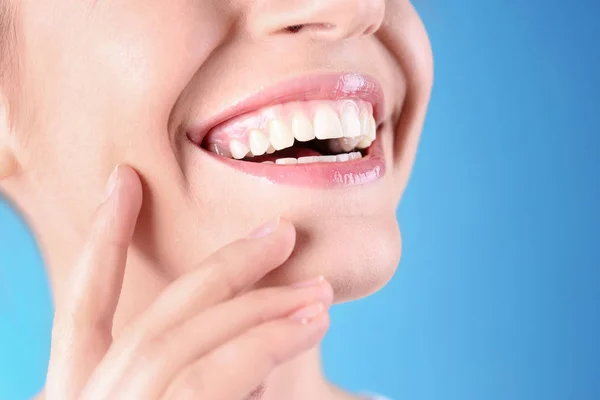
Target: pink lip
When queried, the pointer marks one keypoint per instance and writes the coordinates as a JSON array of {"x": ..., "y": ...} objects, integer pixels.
[
  {"x": 312, "y": 87},
  {"x": 319, "y": 175}
]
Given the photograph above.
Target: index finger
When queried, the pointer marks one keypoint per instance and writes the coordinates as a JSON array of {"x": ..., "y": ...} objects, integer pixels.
[{"x": 82, "y": 329}]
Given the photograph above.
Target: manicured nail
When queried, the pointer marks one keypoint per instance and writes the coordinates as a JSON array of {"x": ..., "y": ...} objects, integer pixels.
[
  {"x": 311, "y": 282},
  {"x": 111, "y": 184},
  {"x": 265, "y": 230},
  {"x": 308, "y": 313}
]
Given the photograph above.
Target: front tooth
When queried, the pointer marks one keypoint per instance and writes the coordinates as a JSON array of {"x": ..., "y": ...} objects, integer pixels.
[
  {"x": 356, "y": 155},
  {"x": 271, "y": 149},
  {"x": 350, "y": 120},
  {"x": 238, "y": 149},
  {"x": 280, "y": 135},
  {"x": 302, "y": 128},
  {"x": 286, "y": 161},
  {"x": 308, "y": 160},
  {"x": 258, "y": 142},
  {"x": 327, "y": 125}
]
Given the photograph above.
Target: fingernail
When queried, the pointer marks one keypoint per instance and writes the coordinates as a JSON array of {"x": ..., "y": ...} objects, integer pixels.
[
  {"x": 307, "y": 314},
  {"x": 311, "y": 282},
  {"x": 264, "y": 230},
  {"x": 111, "y": 184}
]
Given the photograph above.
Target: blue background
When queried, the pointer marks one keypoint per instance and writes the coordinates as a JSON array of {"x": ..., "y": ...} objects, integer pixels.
[{"x": 498, "y": 292}]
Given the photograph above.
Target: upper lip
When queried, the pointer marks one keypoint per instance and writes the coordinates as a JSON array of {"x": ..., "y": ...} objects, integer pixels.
[{"x": 331, "y": 86}]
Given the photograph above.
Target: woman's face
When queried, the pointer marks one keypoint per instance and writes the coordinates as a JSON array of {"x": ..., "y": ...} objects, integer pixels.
[{"x": 157, "y": 84}]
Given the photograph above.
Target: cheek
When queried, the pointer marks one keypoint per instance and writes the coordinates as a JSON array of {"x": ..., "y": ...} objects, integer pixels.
[{"x": 101, "y": 90}]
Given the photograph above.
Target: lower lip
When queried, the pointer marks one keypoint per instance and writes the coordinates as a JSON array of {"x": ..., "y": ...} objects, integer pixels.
[{"x": 318, "y": 175}]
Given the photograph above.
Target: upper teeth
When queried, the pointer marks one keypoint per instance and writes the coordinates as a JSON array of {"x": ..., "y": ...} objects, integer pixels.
[
  {"x": 280, "y": 135},
  {"x": 347, "y": 125},
  {"x": 327, "y": 123},
  {"x": 302, "y": 127}
]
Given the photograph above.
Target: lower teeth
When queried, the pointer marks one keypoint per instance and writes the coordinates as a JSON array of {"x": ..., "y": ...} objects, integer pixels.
[{"x": 317, "y": 159}]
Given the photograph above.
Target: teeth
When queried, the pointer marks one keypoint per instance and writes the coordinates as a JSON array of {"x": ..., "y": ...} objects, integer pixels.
[
  {"x": 308, "y": 160},
  {"x": 259, "y": 143},
  {"x": 368, "y": 125},
  {"x": 355, "y": 156},
  {"x": 280, "y": 135},
  {"x": 343, "y": 157},
  {"x": 372, "y": 133},
  {"x": 369, "y": 129},
  {"x": 328, "y": 158},
  {"x": 318, "y": 159},
  {"x": 351, "y": 125},
  {"x": 364, "y": 123},
  {"x": 349, "y": 144},
  {"x": 327, "y": 125},
  {"x": 302, "y": 128},
  {"x": 365, "y": 143},
  {"x": 238, "y": 149},
  {"x": 286, "y": 161},
  {"x": 344, "y": 130}
]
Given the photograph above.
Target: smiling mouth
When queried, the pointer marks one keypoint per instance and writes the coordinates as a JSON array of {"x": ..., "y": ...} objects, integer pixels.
[
  {"x": 317, "y": 131},
  {"x": 321, "y": 131}
]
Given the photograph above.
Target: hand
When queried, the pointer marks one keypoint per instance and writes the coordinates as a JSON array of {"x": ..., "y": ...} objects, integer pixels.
[{"x": 207, "y": 336}]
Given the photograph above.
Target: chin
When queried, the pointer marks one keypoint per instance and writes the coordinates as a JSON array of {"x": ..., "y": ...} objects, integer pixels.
[{"x": 357, "y": 255}]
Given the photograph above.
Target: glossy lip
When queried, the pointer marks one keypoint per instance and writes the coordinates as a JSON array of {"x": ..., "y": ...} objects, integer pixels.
[
  {"x": 312, "y": 87},
  {"x": 318, "y": 175}
]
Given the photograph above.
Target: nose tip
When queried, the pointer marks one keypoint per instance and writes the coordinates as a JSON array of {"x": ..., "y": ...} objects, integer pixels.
[
  {"x": 343, "y": 19},
  {"x": 321, "y": 19}
]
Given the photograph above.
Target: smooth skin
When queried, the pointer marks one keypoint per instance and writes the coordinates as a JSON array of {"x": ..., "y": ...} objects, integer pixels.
[
  {"x": 206, "y": 336},
  {"x": 90, "y": 84}
]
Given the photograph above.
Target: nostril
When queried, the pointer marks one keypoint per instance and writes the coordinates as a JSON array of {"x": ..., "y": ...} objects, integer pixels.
[
  {"x": 317, "y": 27},
  {"x": 294, "y": 28}
]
